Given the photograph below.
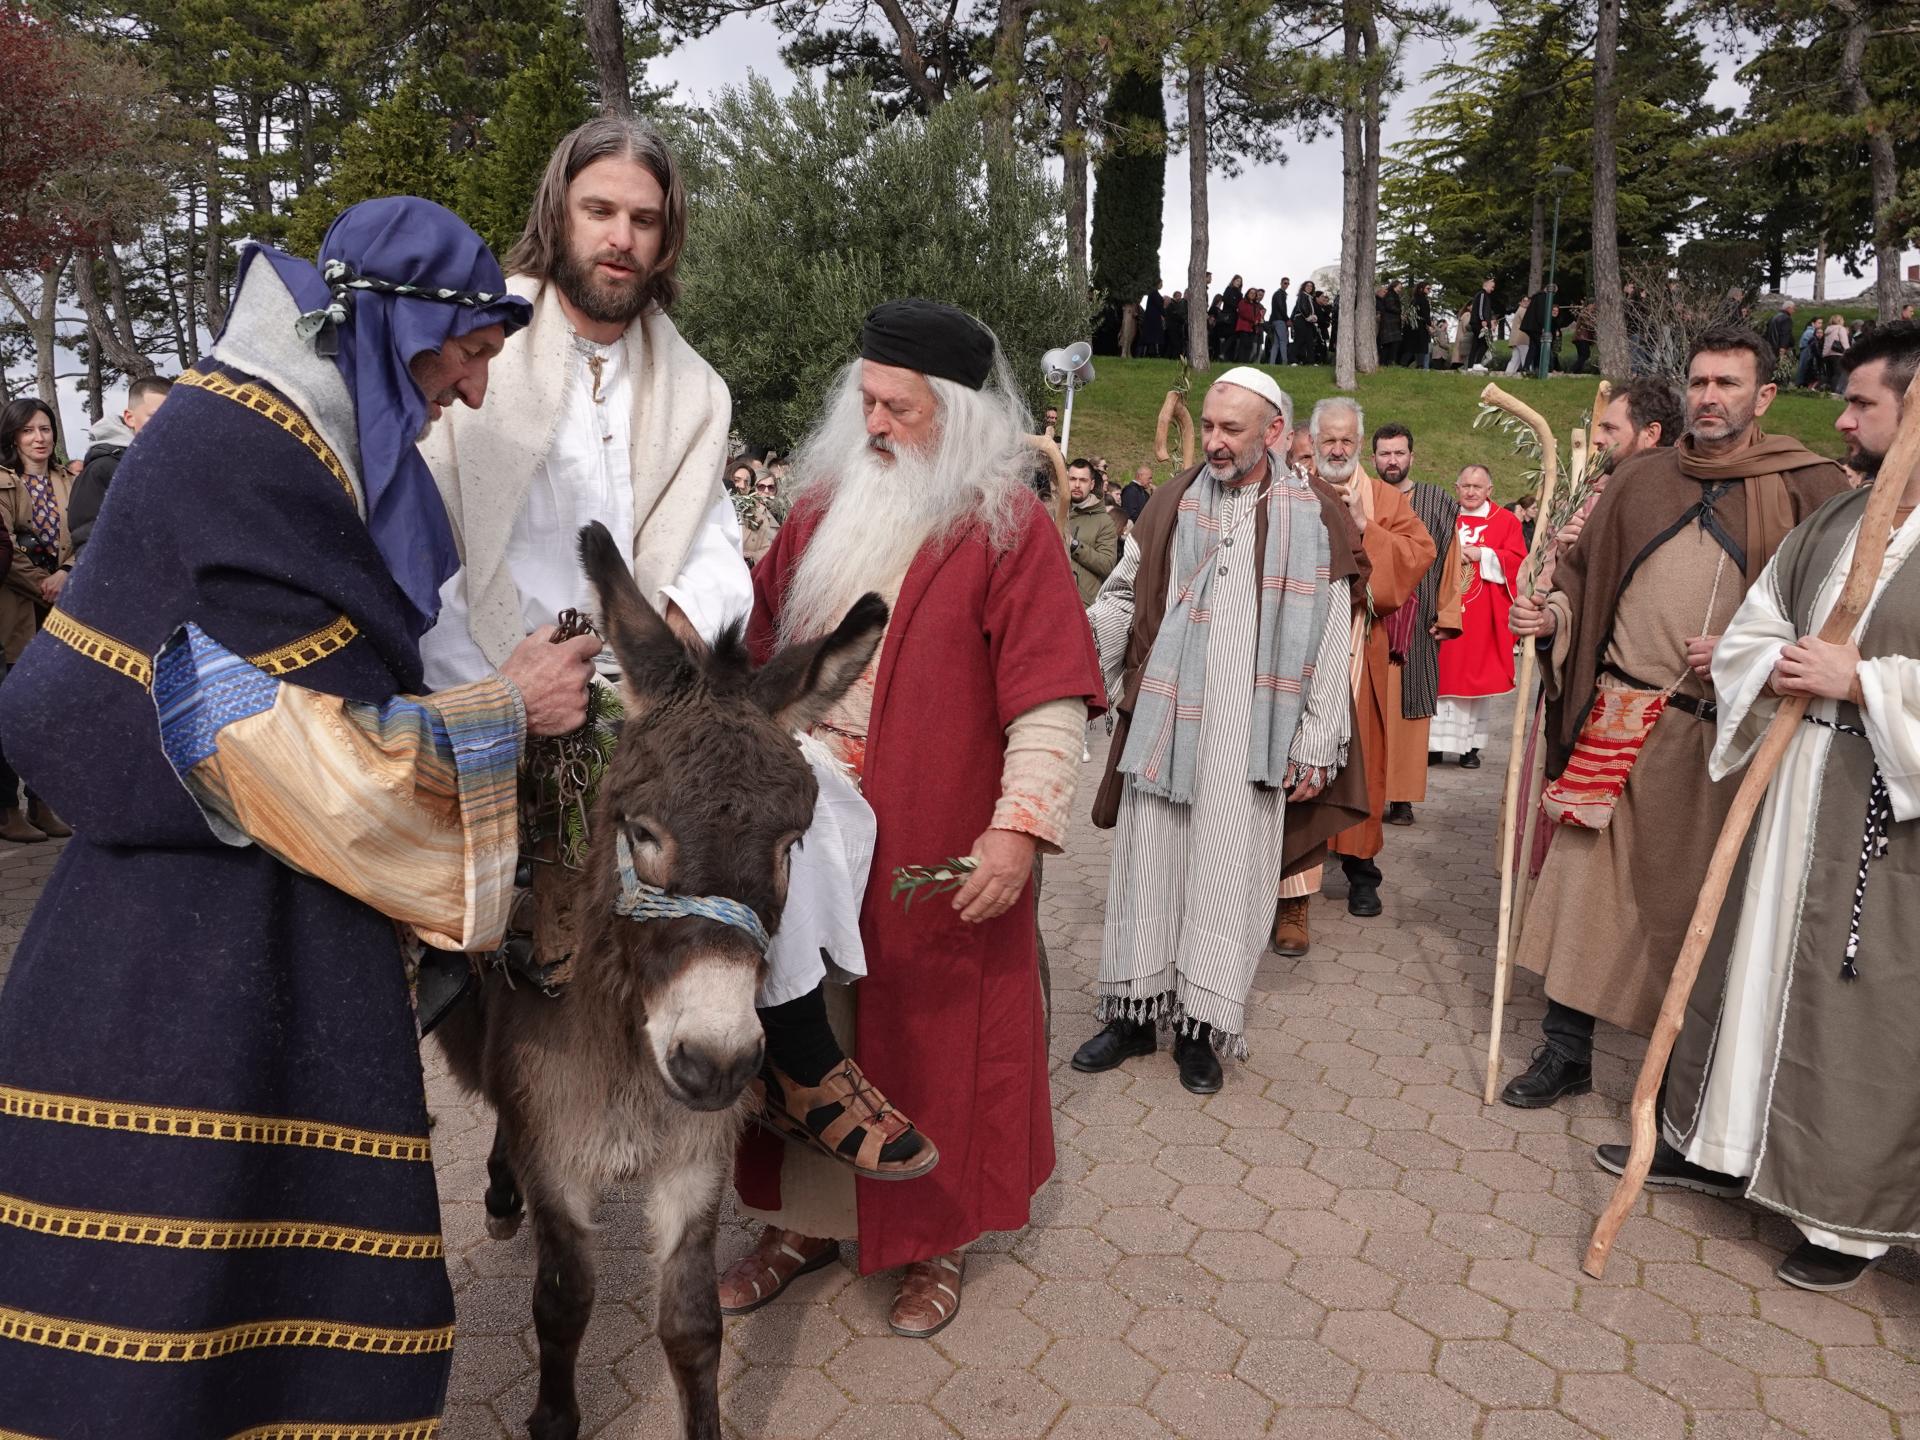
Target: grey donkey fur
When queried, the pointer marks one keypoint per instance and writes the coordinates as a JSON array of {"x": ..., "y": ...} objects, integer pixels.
[{"x": 635, "y": 1070}]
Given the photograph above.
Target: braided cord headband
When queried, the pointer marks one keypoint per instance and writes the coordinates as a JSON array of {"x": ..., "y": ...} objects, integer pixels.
[
  {"x": 641, "y": 901},
  {"x": 322, "y": 326}
]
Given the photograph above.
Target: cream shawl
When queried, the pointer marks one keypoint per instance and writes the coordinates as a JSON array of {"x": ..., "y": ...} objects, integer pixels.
[{"x": 484, "y": 460}]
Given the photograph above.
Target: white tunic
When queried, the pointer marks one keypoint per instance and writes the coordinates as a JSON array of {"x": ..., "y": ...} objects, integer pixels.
[
  {"x": 1730, "y": 1132},
  {"x": 587, "y": 476}
]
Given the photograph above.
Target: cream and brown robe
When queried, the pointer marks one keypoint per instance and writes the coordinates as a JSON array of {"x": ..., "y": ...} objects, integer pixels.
[{"x": 1786, "y": 1070}]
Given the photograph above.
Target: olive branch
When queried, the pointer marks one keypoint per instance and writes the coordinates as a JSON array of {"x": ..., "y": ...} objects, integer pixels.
[{"x": 914, "y": 881}]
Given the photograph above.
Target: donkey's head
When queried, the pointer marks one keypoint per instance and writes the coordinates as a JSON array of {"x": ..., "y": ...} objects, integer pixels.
[{"x": 709, "y": 794}]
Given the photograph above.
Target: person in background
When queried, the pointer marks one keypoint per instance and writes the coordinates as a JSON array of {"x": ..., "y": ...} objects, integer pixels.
[
  {"x": 1137, "y": 491},
  {"x": 760, "y": 517},
  {"x": 1526, "y": 510},
  {"x": 34, "y": 498},
  {"x": 110, "y": 440},
  {"x": 1092, "y": 542},
  {"x": 1176, "y": 337},
  {"x": 1832, "y": 349},
  {"x": 1584, "y": 337},
  {"x": 1306, "y": 338},
  {"x": 1483, "y": 317},
  {"x": 1386, "y": 301},
  {"x": 1277, "y": 322},
  {"x": 1779, "y": 333},
  {"x": 741, "y": 476},
  {"x": 1152, "y": 338},
  {"x": 1808, "y": 374},
  {"x": 1247, "y": 324}
]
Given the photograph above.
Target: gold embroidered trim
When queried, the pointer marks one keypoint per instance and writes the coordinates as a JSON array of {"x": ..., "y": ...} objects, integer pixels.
[
  {"x": 265, "y": 403},
  {"x": 165, "y": 1120},
  {"x": 171, "y": 1234},
  {"x": 321, "y": 1430},
  {"x": 109, "y": 1342},
  {"x": 97, "y": 645},
  {"x": 298, "y": 654}
]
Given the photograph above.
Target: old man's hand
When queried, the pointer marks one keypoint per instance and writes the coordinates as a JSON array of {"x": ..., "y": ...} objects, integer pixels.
[
  {"x": 552, "y": 680},
  {"x": 1005, "y": 865}
]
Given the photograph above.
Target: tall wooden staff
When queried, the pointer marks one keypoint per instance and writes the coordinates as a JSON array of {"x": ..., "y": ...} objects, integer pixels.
[
  {"x": 1869, "y": 552},
  {"x": 1522, "y": 712}
]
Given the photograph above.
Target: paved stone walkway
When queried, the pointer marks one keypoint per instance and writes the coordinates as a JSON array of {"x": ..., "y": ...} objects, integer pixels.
[{"x": 1341, "y": 1245}]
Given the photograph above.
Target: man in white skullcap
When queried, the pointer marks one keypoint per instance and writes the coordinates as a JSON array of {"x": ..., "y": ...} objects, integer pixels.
[{"x": 1223, "y": 632}]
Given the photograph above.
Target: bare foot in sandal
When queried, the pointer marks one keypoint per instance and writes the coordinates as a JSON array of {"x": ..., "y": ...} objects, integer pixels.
[
  {"x": 781, "y": 1257},
  {"x": 929, "y": 1296},
  {"x": 845, "y": 1118}
]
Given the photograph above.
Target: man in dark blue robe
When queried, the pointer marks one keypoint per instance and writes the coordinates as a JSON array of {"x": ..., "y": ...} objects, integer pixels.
[{"x": 217, "y": 1204}]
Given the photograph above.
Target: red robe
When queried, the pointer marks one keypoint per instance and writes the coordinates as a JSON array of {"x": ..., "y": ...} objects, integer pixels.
[
  {"x": 950, "y": 1022},
  {"x": 1479, "y": 661}
]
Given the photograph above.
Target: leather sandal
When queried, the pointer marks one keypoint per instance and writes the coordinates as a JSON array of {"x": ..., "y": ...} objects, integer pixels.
[
  {"x": 845, "y": 1118},
  {"x": 775, "y": 1263},
  {"x": 929, "y": 1296}
]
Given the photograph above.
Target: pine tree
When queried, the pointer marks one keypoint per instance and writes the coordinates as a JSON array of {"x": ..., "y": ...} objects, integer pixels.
[
  {"x": 399, "y": 148},
  {"x": 1130, "y": 189},
  {"x": 545, "y": 98}
]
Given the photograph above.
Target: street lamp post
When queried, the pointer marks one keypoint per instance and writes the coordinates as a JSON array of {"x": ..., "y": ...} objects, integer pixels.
[{"x": 1559, "y": 174}]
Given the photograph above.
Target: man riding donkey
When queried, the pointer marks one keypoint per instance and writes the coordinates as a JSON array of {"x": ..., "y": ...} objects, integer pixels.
[{"x": 221, "y": 1213}]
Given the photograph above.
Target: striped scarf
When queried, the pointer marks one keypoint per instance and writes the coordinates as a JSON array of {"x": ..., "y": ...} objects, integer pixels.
[
  {"x": 1163, "y": 745},
  {"x": 42, "y": 535}
]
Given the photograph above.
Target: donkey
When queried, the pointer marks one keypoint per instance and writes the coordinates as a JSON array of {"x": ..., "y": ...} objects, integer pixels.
[{"x": 635, "y": 1067}]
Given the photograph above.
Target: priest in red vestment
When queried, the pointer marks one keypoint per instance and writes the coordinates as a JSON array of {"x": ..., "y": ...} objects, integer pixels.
[
  {"x": 965, "y": 737},
  {"x": 1476, "y": 666}
]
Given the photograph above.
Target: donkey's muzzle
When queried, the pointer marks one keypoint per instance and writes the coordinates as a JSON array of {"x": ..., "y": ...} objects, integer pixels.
[{"x": 708, "y": 1078}]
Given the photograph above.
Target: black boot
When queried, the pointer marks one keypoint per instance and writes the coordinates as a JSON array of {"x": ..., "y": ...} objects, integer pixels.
[
  {"x": 1672, "y": 1171},
  {"x": 1399, "y": 812},
  {"x": 1470, "y": 760},
  {"x": 1551, "y": 1076},
  {"x": 1120, "y": 1040},
  {"x": 1199, "y": 1066}
]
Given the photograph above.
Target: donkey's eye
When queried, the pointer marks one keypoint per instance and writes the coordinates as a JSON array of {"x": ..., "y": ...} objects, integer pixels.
[{"x": 640, "y": 835}]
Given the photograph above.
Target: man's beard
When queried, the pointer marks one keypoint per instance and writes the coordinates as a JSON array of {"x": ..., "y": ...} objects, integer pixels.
[
  {"x": 1737, "y": 424},
  {"x": 1389, "y": 473},
  {"x": 879, "y": 515},
  {"x": 605, "y": 302},
  {"x": 1863, "y": 459},
  {"x": 1238, "y": 467},
  {"x": 1336, "y": 472}
]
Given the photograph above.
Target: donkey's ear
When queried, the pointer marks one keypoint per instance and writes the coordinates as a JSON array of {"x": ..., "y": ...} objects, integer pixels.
[
  {"x": 652, "y": 660},
  {"x": 803, "y": 682}
]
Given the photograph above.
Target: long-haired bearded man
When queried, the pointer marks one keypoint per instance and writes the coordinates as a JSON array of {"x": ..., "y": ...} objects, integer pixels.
[{"x": 965, "y": 736}]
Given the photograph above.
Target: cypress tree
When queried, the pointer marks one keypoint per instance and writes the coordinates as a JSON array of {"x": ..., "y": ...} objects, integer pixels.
[{"x": 1130, "y": 182}]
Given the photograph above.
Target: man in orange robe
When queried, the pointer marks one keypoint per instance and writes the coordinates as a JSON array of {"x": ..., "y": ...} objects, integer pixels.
[{"x": 1400, "y": 550}]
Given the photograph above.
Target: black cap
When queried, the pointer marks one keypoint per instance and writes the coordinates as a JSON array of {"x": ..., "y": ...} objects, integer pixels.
[{"x": 932, "y": 338}]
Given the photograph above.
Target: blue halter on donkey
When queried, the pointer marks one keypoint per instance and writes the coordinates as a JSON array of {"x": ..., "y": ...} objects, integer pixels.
[{"x": 641, "y": 901}]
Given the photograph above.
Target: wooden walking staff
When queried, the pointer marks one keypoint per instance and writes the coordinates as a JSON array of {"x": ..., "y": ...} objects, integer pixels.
[
  {"x": 1522, "y": 712},
  {"x": 1869, "y": 552}
]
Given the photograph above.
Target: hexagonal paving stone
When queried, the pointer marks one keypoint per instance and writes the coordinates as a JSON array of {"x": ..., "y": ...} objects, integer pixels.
[
  {"x": 883, "y": 1368},
  {"x": 1377, "y": 1340},
  {"x": 781, "y": 1402},
  {"x": 1496, "y": 1373},
  {"x": 1257, "y": 1309},
  {"x": 1621, "y": 1405},
  {"x": 997, "y": 1405},
  {"x": 1210, "y": 1407},
  {"x": 1417, "y": 1407},
  {"x": 1185, "y": 1340},
  {"x": 1822, "y": 1410},
  {"x": 1096, "y": 1372},
  {"x": 1298, "y": 1373},
  {"x": 1341, "y": 1284},
  {"x": 989, "y": 1337}
]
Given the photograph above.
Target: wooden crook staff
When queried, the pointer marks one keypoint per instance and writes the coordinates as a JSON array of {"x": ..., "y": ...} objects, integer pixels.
[
  {"x": 1869, "y": 553},
  {"x": 1049, "y": 450},
  {"x": 1522, "y": 712},
  {"x": 1174, "y": 412}
]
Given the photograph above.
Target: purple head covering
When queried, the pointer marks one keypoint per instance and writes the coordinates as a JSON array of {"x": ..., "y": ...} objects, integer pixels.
[{"x": 398, "y": 277}]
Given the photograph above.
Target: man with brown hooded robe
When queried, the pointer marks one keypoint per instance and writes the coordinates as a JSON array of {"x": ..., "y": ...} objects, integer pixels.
[{"x": 1638, "y": 604}]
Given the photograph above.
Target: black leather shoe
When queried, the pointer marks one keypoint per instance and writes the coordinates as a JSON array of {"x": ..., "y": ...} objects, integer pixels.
[
  {"x": 1672, "y": 1171},
  {"x": 1550, "y": 1077},
  {"x": 1199, "y": 1066},
  {"x": 1814, "y": 1267},
  {"x": 1470, "y": 760},
  {"x": 1363, "y": 900},
  {"x": 1434, "y": 757},
  {"x": 1399, "y": 812},
  {"x": 1121, "y": 1040}
]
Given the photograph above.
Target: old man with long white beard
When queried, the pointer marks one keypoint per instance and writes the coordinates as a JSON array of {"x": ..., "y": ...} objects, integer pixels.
[
  {"x": 1228, "y": 630},
  {"x": 965, "y": 738}
]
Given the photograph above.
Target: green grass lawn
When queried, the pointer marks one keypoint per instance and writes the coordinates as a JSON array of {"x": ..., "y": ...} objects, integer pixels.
[{"x": 1114, "y": 416}]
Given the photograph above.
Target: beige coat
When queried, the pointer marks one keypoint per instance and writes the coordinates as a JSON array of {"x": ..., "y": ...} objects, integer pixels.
[{"x": 21, "y": 610}]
